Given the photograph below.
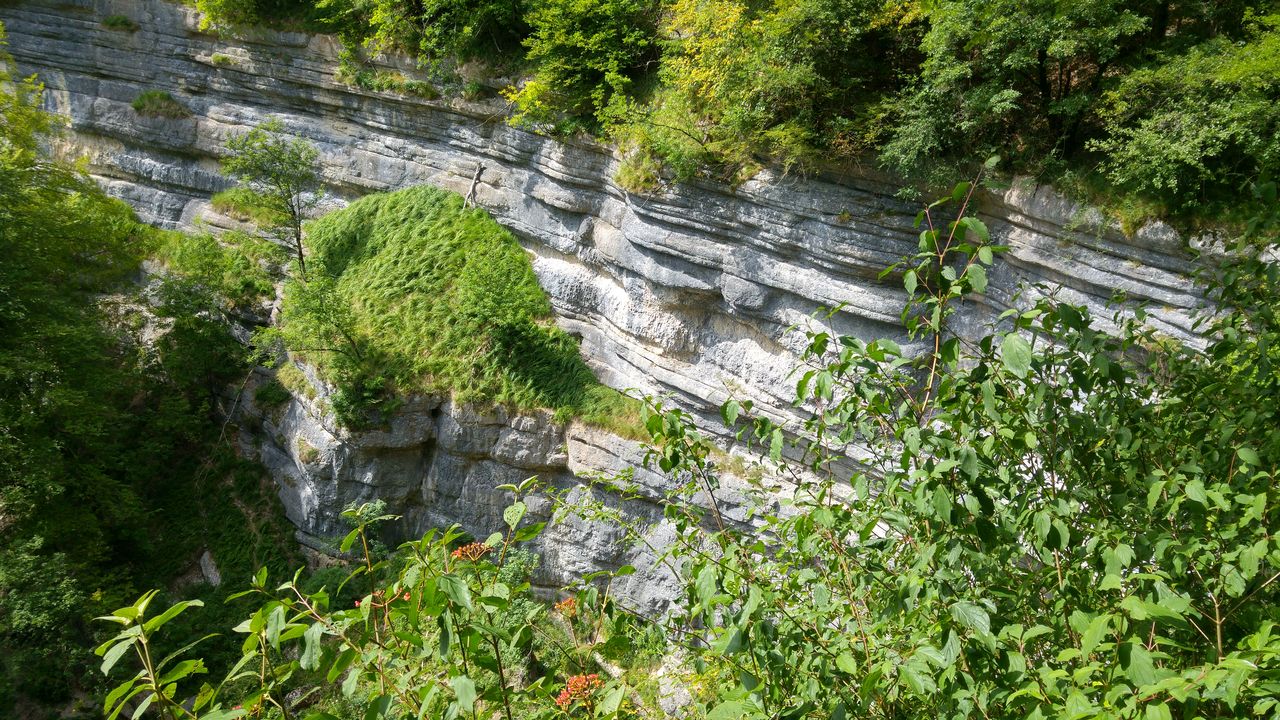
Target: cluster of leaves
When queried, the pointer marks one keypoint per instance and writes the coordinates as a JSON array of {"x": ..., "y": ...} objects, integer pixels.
[
  {"x": 1170, "y": 103},
  {"x": 413, "y": 292},
  {"x": 108, "y": 478},
  {"x": 437, "y": 629},
  {"x": 1050, "y": 521},
  {"x": 587, "y": 55},
  {"x": 280, "y": 182}
]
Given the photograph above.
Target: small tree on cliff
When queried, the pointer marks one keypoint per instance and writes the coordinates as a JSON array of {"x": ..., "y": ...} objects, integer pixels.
[{"x": 282, "y": 173}]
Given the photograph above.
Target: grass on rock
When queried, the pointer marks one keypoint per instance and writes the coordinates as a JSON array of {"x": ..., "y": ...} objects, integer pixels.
[
  {"x": 412, "y": 292},
  {"x": 122, "y": 23},
  {"x": 158, "y": 103}
]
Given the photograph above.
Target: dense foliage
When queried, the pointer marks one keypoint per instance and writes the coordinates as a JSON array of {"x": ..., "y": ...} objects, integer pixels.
[
  {"x": 108, "y": 477},
  {"x": 1172, "y": 104},
  {"x": 280, "y": 175},
  {"x": 412, "y": 291},
  {"x": 442, "y": 628},
  {"x": 1049, "y": 522}
]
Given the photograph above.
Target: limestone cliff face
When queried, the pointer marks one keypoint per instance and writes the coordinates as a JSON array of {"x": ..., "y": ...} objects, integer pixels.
[
  {"x": 688, "y": 291},
  {"x": 437, "y": 464}
]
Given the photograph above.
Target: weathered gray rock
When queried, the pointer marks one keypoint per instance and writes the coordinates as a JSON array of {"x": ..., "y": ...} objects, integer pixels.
[
  {"x": 437, "y": 464},
  {"x": 689, "y": 291},
  {"x": 209, "y": 569}
]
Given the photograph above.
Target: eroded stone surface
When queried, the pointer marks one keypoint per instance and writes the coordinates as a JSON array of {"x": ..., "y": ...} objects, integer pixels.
[
  {"x": 689, "y": 291},
  {"x": 437, "y": 464}
]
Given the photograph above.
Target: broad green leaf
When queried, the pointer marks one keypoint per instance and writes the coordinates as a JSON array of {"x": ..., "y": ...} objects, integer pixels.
[
  {"x": 1097, "y": 630},
  {"x": 275, "y": 623},
  {"x": 972, "y": 616},
  {"x": 1249, "y": 455},
  {"x": 182, "y": 670},
  {"x": 918, "y": 679},
  {"x": 1195, "y": 491},
  {"x": 611, "y": 702},
  {"x": 1138, "y": 666},
  {"x": 1015, "y": 354},
  {"x": 977, "y": 278},
  {"x": 349, "y": 540},
  {"x": 310, "y": 658},
  {"x": 728, "y": 710},
  {"x": 729, "y": 412},
  {"x": 456, "y": 589},
  {"x": 529, "y": 532},
  {"x": 340, "y": 663},
  {"x": 514, "y": 514},
  {"x": 113, "y": 655},
  {"x": 465, "y": 690},
  {"x": 173, "y": 611}
]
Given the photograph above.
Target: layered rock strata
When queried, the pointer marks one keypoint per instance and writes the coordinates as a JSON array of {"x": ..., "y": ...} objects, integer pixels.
[
  {"x": 692, "y": 291},
  {"x": 689, "y": 291},
  {"x": 437, "y": 464}
]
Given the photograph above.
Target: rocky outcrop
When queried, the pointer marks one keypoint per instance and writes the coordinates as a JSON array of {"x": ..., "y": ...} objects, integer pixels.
[
  {"x": 436, "y": 464},
  {"x": 690, "y": 291}
]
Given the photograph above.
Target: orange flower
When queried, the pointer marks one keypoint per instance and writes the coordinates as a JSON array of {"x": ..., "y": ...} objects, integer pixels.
[
  {"x": 471, "y": 551},
  {"x": 567, "y": 607},
  {"x": 578, "y": 687}
]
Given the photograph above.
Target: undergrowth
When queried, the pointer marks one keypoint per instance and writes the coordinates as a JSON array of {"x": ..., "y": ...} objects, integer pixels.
[
  {"x": 413, "y": 292},
  {"x": 243, "y": 204},
  {"x": 158, "y": 103},
  {"x": 122, "y": 23}
]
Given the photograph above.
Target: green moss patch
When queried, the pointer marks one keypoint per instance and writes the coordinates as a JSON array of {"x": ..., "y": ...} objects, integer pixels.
[{"x": 158, "y": 103}]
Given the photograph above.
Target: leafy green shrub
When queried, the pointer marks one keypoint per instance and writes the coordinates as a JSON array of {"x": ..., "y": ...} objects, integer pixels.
[
  {"x": 475, "y": 90},
  {"x": 122, "y": 23},
  {"x": 280, "y": 181},
  {"x": 639, "y": 172},
  {"x": 234, "y": 14},
  {"x": 222, "y": 60},
  {"x": 110, "y": 475},
  {"x": 1199, "y": 126},
  {"x": 244, "y": 204},
  {"x": 272, "y": 394},
  {"x": 412, "y": 292},
  {"x": 1048, "y": 521},
  {"x": 384, "y": 81},
  {"x": 774, "y": 78},
  {"x": 464, "y": 30},
  {"x": 159, "y": 103},
  {"x": 588, "y": 55},
  {"x": 439, "y": 629},
  {"x": 236, "y": 269}
]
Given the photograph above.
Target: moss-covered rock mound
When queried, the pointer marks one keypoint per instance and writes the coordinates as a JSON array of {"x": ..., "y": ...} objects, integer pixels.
[{"x": 411, "y": 291}]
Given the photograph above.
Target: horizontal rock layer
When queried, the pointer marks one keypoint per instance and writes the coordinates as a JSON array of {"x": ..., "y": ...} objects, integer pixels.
[
  {"x": 437, "y": 464},
  {"x": 691, "y": 290}
]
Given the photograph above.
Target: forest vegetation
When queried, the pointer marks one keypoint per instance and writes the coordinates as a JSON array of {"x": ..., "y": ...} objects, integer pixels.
[{"x": 1149, "y": 107}]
